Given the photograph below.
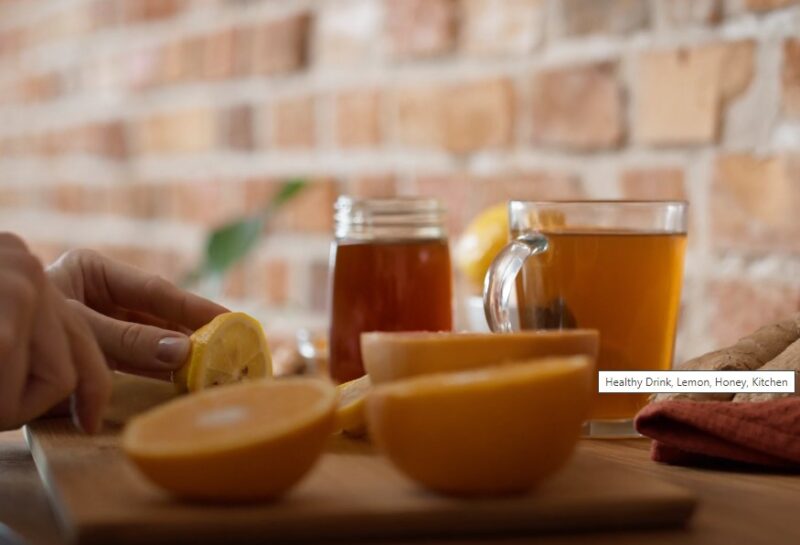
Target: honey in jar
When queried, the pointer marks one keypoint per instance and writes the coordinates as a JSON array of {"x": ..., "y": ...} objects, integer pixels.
[{"x": 390, "y": 267}]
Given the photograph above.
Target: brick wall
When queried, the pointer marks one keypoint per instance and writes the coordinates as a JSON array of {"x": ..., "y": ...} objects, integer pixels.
[{"x": 132, "y": 126}]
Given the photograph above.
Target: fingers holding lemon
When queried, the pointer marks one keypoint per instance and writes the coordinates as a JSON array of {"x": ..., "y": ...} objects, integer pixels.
[{"x": 230, "y": 348}]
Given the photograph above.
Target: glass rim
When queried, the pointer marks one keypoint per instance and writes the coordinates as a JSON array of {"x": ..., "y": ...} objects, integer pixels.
[{"x": 385, "y": 204}]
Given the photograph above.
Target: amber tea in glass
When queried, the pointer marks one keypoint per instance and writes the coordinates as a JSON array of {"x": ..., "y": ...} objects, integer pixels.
[{"x": 612, "y": 266}]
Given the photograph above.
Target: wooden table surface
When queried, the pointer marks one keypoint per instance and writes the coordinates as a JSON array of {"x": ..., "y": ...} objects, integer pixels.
[{"x": 735, "y": 507}]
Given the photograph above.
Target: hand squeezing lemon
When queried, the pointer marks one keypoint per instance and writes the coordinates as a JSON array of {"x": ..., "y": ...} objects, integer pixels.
[{"x": 230, "y": 348}]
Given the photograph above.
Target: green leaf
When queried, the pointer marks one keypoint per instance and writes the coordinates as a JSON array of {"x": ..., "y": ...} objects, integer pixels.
[
  {"x": 286, "y": 193},
  {"x": 232, "y": 242}
]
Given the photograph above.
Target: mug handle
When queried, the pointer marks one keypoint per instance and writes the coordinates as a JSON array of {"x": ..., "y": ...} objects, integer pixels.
[{"x": 501, "y": 275}]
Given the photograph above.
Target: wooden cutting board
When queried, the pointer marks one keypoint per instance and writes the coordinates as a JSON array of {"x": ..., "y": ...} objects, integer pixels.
[{"x": 351, "y": 493}]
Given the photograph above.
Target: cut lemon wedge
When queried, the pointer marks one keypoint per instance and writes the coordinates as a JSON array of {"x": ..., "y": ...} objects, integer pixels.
[
  {"x": 350, "y": 417},
  {"x": 230, "y": 348},
  {"x": 499, "y": 430},
  {"x": 250, "y": 441}
]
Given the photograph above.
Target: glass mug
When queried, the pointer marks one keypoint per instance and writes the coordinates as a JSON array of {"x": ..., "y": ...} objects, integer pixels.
[
  {"x": 614, "y": 266},
  {"x": 390, "y": 271}
]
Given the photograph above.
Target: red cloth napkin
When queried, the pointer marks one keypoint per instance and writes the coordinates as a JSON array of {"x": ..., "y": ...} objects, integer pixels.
[{"x": 702, "y": 433}]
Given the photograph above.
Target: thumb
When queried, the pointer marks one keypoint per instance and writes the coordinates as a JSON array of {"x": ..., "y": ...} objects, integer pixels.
[{"x": 137, "y": 346}]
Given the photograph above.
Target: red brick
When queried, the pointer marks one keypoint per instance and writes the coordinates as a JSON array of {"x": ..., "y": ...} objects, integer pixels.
[
  {"x": 791, "y": 78},
  {"x": 766, "y": 5},
  {"x": 466, "y": 196},
  {"x": 578, "y": 107},
  {"x": 136, "y": 11},
  {"x": 192, "y": 58},
  {"x": 271, "y": 282},
  {"x": 311, "y": 210},
  {"x": 293, "y": 121},
  {"x": 40, "y": 88},
  {"x": 12, "y": 41},
  {"x": 580, "y": 17},
  {"x": 372, "y": 186},
  {"x": 740, "y": 306},
  {"x": 234, "y": 284},
  {"x": 524, "y": 185},
  {"x": 346, "y": 32},
  {"x": 184, "y": 131},
  {"x": 358, "y": 119},
  {"x": 681, "y": 94},
  {"x": 237, "y": 128},
  {"x": 62, "y": 24},
  {"x": 144, "y": 71},
  {"x": 67, "y": 198},
  {"x": 461, "y": 118},
  {"x": 104, "y": 14},
  {"x": 319, "y": 285},
  {"x": 133, "y": 200},
  {"x": 686, "y": 12},
  {"x": 242, "y": 50},
  {"x": 653, "y": 184},
  {"x": 219, "y": 54},
  {"x": 172, "y": 265},
  {"x": 171, "y": 67},
  {"x": 755, "y": 203},
  {"x": 10, "y": 197},
  {"x": 479, "y": 115},
  {"x": 419, "y": 119},
  {"x": 257, "y": 193},
  {"x": 498, "y": 27},
  {"x": 99, "y": 199},
  {"x": 420, "y": 28},
  {"x": 206, "y": 202},
  {"x": 108, "y": 139},
  {"x": 280, "y": 46}
]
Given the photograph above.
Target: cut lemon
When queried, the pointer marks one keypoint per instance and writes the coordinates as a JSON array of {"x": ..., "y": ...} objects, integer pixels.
[
  {"x": 492, "y": 431},
  {"x": 350, "y": 417},
  {"x": 230, "y": 348},
  {"x": 250, "y": 441}
]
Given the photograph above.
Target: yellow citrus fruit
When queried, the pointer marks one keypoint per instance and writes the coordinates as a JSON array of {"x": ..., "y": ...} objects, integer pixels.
[
  {"x": 390, "y": 356},
  {"x": 481, "y": 241},
  {"x": 249, "y": 441},
  {"x": 492, "y": 431},
  {"x": 230, "y": 348},
  {"x": 350, "y": 417}
]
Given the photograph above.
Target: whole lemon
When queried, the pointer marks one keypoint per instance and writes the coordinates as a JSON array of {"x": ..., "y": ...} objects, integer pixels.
[{"x": 481, "y": 241}]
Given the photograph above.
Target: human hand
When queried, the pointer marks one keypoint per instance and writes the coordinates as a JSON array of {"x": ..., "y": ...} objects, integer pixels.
[
  {"x": 46, "y": 351},
  {"x": 140, "y": 320}
]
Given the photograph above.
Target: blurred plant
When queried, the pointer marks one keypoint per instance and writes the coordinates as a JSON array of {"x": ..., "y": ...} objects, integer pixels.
[{"x": 230, "y": 243}]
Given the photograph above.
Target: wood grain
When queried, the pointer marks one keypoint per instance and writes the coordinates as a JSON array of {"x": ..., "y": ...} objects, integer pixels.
[
  {"x": 351, "y": 493},
  {"x": 733, "y": 507}
]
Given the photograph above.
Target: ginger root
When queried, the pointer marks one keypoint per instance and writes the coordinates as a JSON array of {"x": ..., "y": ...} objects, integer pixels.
[
  {"x": 764, "y": 347},
  {"x": 787, "y": 360}
]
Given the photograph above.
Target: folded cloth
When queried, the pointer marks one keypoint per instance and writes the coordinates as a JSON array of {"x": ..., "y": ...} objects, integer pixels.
[{"x": 709, "y": 432}]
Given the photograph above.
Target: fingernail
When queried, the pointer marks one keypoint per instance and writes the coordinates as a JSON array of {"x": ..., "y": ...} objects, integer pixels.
[
  {"x": 73, "y": 410},
  {"x": 173, "y": 351}
]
